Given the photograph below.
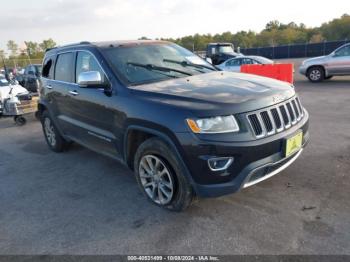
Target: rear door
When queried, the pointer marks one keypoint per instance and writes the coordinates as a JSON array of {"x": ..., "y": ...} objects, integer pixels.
[
  {"x": 59, "y": 87},
  {"x": 339, "y": 63}
]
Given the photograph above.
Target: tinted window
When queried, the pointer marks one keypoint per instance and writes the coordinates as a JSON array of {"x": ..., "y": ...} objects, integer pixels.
[
  {"x": 65, "y": 67},
  {"x": 48, "y": 68},
  {"x": 247, "y": 61},
  {"x": 37, "y": 69},
  {"x": 87, "y": 62},
  {"x": 226, "y": 49},
  {"x": 234, "y": 62}
]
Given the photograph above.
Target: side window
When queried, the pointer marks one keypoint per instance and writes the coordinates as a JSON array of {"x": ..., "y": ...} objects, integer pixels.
[
  {"x": 247, "y": 61},
  {"x": 87, "y": 62},
  {"x": 64, "y": 70},
  {"x": 48, "y": 68},
  {"x": 234, "y": 62},
  {"x": 345, "y": 51}
]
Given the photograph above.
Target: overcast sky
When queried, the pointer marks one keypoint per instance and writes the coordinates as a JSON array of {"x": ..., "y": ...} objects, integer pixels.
[{"x": 69, "y": 21}]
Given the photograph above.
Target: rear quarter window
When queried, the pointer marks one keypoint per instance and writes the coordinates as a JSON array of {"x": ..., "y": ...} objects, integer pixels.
[{"x": 48, "y": 66}]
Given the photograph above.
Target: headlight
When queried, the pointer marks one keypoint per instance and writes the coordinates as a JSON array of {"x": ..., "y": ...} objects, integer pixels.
[{"x": 219, "y": 124}]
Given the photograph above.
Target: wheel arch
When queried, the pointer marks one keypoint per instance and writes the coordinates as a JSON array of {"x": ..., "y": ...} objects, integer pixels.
[
  {"x": 135, "y": 135},
  {"x": 317, "y": 65}
]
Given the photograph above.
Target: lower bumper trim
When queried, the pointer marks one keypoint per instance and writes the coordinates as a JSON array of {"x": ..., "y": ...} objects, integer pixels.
[{"x": 271, "y": 174}]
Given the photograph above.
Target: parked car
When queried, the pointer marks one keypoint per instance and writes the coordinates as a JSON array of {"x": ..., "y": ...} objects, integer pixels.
[
  {"x": 31, "y": 78},
  {"x": 220, "y": 52},
  {"x": 234, "y": 64},
  {"x": 336, "y": 63},
  {"x": 183, "y": 127}
]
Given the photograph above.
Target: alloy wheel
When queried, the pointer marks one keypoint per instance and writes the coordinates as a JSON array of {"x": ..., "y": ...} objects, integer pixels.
[
  {"x": 49, "y": 132},
  {"x": 156, "y": 179},
  {"x": 315, "y": 74}
]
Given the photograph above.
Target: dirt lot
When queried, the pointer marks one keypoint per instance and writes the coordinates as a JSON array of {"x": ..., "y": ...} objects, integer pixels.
[{"x": 80, "y": 202}]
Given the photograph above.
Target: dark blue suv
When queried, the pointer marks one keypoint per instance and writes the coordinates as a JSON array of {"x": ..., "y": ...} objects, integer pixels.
[{"x": 183, "y": 127}]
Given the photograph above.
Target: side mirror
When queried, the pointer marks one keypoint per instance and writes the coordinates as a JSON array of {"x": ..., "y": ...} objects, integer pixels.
[{"x": 90, "y": 78}]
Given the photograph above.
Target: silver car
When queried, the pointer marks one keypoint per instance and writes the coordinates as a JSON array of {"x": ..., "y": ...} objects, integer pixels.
[
  {"x": 324, "y": 67},
  {"x": 234, "y": 64}
]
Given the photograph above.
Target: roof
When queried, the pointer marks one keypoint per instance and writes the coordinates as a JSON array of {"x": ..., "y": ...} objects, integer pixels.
[{"x": 106, "y": 44}]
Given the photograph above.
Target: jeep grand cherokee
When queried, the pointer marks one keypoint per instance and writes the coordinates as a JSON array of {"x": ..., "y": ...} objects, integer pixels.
[{"x": 183, "y": 127}]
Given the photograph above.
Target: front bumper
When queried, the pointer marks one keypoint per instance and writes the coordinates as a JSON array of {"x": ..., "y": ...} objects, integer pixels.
[
  {"x": 254, "y": 161},
  {"x": 302, "y": 70}
]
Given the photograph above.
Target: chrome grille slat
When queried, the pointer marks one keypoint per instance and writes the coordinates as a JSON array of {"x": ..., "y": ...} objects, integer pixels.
[
  {"x": 296, "y": 109},
  {"x": 291, "y": 113},
  {"x": 300, "y": 107},
  {"x": 276, "y": 118}
]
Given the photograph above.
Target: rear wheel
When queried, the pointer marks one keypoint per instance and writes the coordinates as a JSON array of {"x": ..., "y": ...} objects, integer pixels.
[
  {"x": 20, "y": 120},
  {"x": 52, "y": 136},
  {"x": 315, "y": 74},
  {"x": 161, "y": 176}
]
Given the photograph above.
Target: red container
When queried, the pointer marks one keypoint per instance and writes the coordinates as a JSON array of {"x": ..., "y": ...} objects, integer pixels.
[{"x": 283, "y": 72}]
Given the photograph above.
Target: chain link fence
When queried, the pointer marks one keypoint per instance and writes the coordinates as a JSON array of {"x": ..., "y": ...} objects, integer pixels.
[{"x": 295, "y": 50}]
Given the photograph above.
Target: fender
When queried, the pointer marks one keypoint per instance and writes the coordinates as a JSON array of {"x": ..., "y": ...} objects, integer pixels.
[{"x": 166, "y": 139}]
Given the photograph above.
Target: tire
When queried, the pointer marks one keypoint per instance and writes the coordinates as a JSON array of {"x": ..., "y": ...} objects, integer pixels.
[
  {"x": 20, "y": 120},
  {"x": 315, "y": 74},
  {"x": 52, "y": 136},
  {"x": 161, "y": 176},
  {"x": 37, "y": 115}
]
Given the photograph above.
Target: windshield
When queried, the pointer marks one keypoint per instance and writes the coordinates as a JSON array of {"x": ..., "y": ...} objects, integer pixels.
[
  {"x": 38, "y": 68},
  {"x": 263, "y": 60},
  {"x": 226, "y": 49},
  {"x": 153, "y": 62}
]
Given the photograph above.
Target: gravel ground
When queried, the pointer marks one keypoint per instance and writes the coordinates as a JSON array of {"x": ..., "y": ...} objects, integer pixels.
[{"x": 81, "y": 202}]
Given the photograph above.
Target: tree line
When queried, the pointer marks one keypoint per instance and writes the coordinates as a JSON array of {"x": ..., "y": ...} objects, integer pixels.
[{"x": 275, "y": 33}]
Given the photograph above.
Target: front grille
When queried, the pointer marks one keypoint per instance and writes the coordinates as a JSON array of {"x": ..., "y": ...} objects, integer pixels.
[{"x": 276, "y": 118}]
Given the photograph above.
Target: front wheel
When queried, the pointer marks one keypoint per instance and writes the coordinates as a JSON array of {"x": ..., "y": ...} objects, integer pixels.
[
  {"x": 161, "y": 176},
  {"x": 315, "y": 74}
]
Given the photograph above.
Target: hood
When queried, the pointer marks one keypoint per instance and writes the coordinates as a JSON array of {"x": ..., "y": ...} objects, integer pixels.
[
  {"x": 314, "y": 59},
  {"x": 220, "y": 89}
]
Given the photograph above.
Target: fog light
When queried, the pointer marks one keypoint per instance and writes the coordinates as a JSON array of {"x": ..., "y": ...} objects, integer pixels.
[{"x": 219, "y": 163}]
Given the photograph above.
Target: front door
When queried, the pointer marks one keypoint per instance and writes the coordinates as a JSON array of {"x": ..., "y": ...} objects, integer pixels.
[
  {"x": 339, "y": 63},
  {"x": 91, "y": 111}
]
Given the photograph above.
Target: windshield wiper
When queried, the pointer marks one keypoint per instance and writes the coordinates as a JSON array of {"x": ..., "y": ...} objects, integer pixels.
[
  {"x": 152, "y": 67},
  {"x": 187, "y": 63}
]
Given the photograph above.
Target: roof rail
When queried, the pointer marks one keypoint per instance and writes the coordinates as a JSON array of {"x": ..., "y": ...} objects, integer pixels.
[{"x": 68, "y": 45}]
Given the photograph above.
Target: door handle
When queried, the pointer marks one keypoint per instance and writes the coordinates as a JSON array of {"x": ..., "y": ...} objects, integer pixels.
[
  {"x": 49, "y": 87},
  {"x": 74, "y": 93}
]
